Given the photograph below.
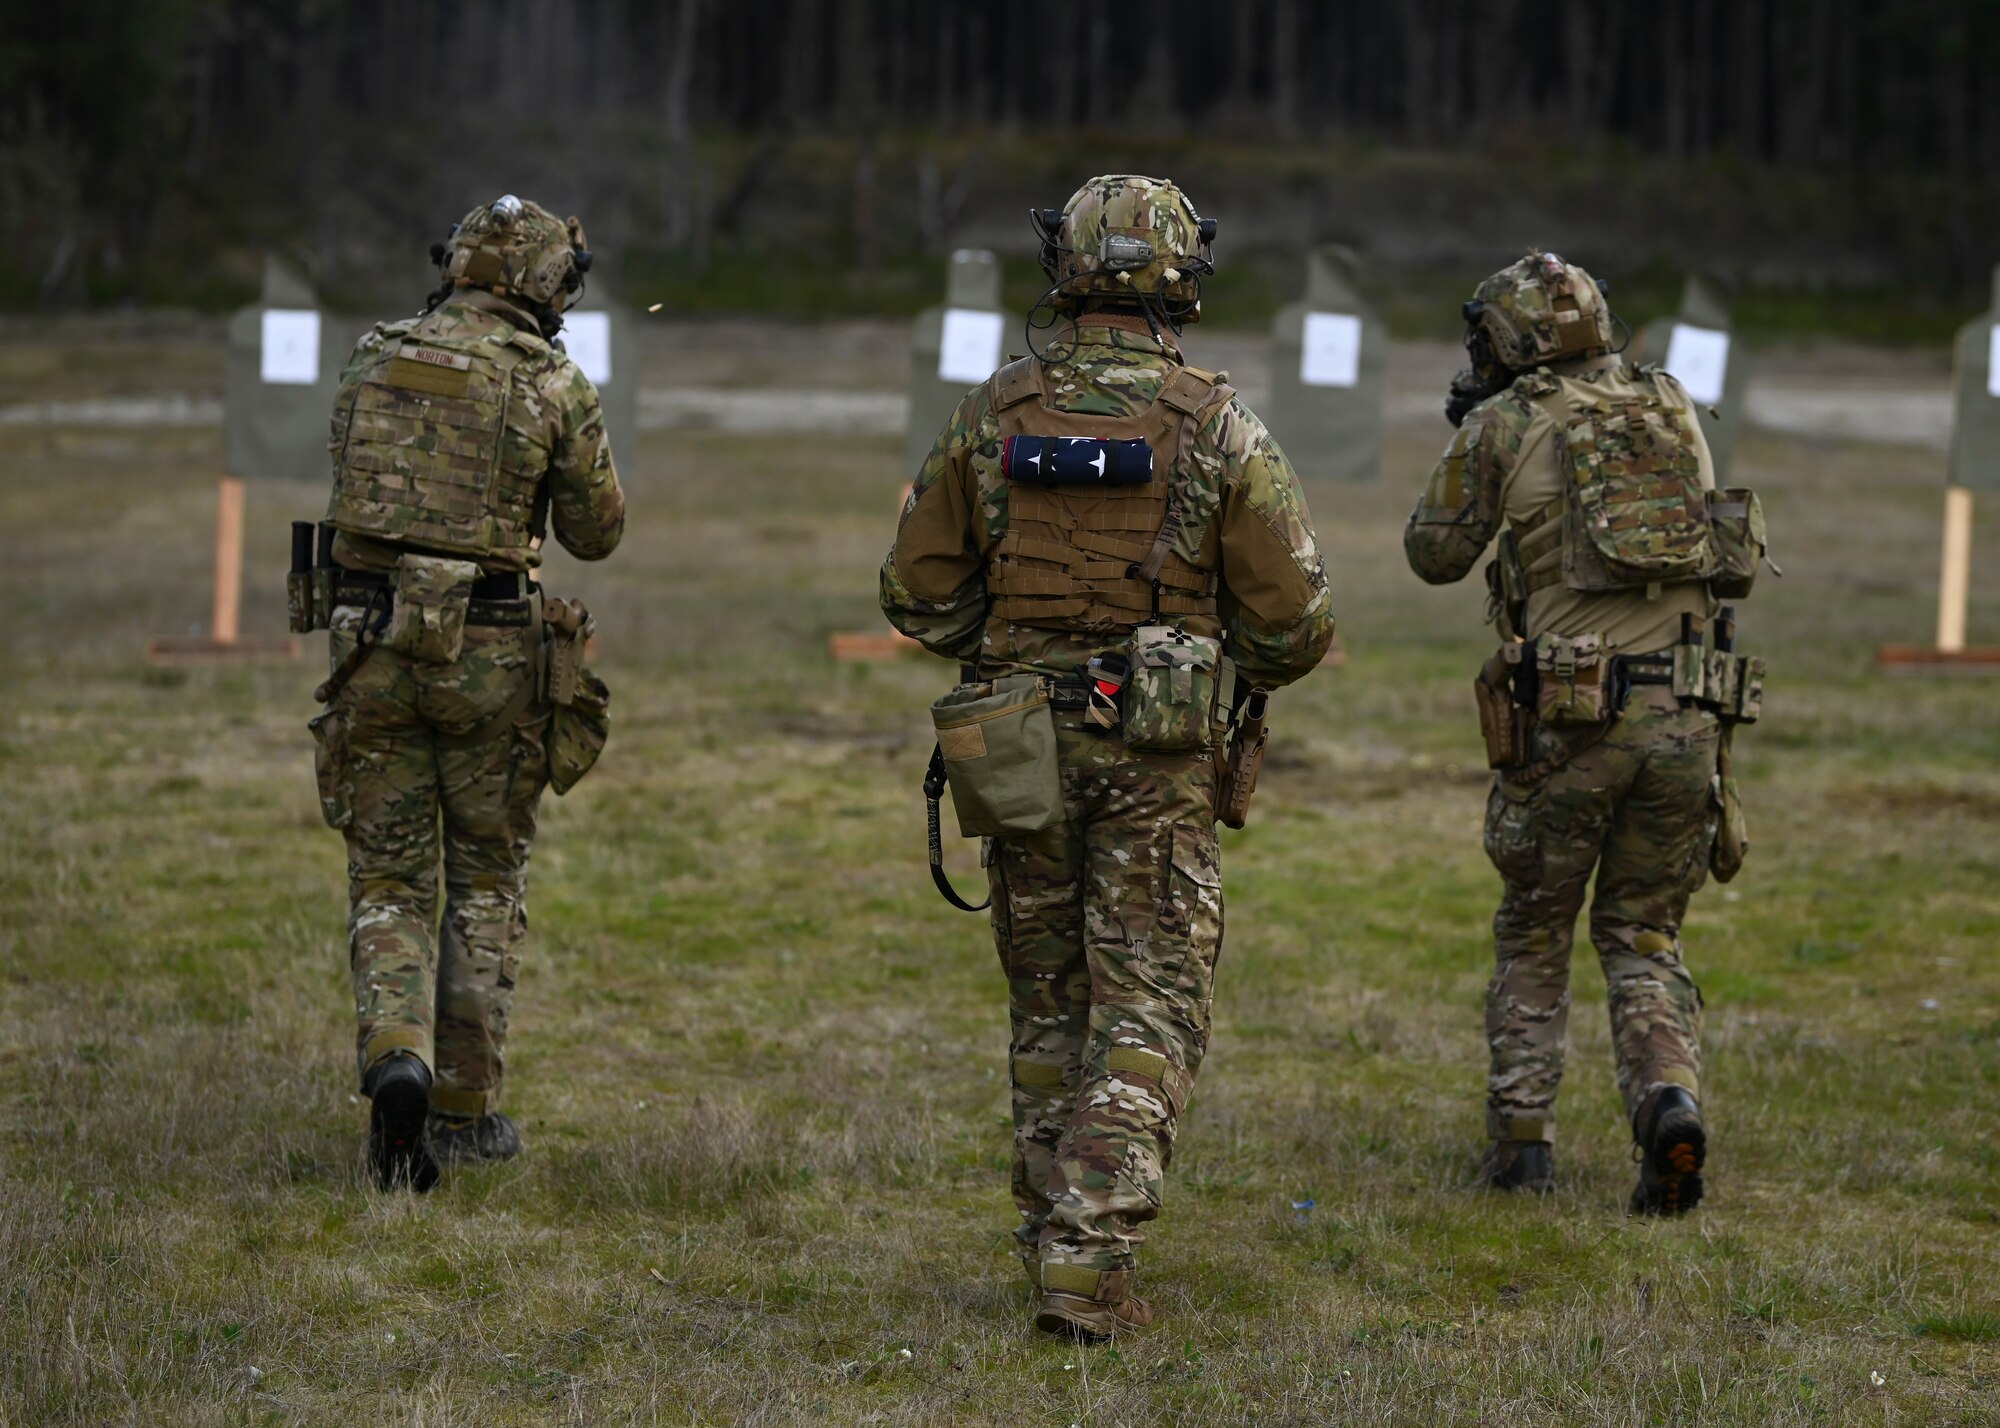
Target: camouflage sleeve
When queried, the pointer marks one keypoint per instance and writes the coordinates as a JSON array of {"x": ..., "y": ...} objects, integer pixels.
[
  {"x": 1273, "y": 599},
  {"x": 934, "y": 581},
  {"x": 1459, "y": 512},
  {"x": 586, "y": 504}
]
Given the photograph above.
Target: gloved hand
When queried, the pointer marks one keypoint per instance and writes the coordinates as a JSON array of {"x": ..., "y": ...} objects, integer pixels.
[{"x": 1468, "y": 390}]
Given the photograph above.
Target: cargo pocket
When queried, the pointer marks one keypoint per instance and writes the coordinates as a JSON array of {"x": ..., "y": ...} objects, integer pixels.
[
  {"x": 1189, "y": 933},
  {"x": 1514, "y": 830},
  {"x": 336, "y": 799}
]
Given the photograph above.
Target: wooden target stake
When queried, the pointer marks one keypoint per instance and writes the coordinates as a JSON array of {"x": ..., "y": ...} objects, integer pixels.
[
  {"x": 1954, "y": 596},
  {"x": 225, "y": 643}
]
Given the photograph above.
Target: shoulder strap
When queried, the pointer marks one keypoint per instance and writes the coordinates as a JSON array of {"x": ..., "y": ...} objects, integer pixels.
[
  {"x": 1015, "y": 383},
  {"x": 1214, "y": 392}
]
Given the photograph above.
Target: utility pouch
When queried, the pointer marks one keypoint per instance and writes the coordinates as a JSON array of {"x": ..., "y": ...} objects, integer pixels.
[
  {"x": 1507, "y": 727},
  {"x": 569, "y": 626},
  {"x": 1736, "y": 527},
  {"x": 329, "y": 731},
  {"x": 1170, "y": 696},
  {"x": 433, "y": 594},
  {"x": 1732, "y": 833},
  {"x": 1574, "y": 673},
  {"x": 999, "y": 744}
]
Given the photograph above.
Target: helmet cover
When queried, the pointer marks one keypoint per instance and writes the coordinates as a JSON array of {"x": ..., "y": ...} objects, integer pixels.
[
  {"x": 1538, "y": 310},
  {"x": 513, "y": 246},
  {"x": 1122, "y": 234}
]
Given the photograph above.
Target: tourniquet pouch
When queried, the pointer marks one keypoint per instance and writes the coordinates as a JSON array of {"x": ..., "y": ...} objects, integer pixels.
[
  {"x": 1170, "y": 695},
  {"x": 999, "y": 744},
  {"x": 329, "y": 731},
  {"x": 1732, "y": 834},
  {"x": 1574, "y": 672},
  {"x": 1507, "y": 727},
  {"x": 427, "y": 620},
  {"x": 1736, "y": 528}
]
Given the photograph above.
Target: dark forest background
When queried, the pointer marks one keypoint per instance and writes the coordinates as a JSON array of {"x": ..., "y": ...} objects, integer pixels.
[{"x": 1834, "y": 159}]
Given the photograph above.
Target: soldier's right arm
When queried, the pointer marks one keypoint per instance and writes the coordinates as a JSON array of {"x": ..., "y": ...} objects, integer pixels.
[
  {"x": 1459, "y": 512},
  {"x": 586, "y": 503},
  {"x": 934, "y": 581}
]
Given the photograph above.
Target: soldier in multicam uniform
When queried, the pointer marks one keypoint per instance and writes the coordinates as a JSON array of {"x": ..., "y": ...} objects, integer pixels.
[
  {"x": 1108, "y": 923},
  {"x": 1619, "y": 774},
  {"x": 455, "y": 436}
]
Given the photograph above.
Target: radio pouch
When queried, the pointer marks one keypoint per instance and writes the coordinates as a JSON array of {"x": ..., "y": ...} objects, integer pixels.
[
  {"x": 427, "y": 620},
  {"x": 998, "y": 740},
  {"x": 1574, "y": 677},
  {"x": 1732, "y": 833},
  {"x": 1170, "y": 695},
  {"x": 1736, "y": 526}
]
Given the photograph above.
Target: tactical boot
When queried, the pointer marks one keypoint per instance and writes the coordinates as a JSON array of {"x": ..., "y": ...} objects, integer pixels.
[
  {"x": 1519, "y": 1165},
  {"x": 399, "y": 1090},
  {"x": 473, "y": 1140},
  {"x": 1090, "y": 1306},
  {"x": 1672, "y": 1147}
]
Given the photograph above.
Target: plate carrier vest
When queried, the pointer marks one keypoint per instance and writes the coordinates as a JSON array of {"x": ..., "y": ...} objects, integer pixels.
[
  {"x": 1077, "y": 558},
  {"x": 422, "y": 457}
]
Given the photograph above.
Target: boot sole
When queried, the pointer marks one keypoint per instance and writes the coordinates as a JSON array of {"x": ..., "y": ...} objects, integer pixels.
[
  {"x": 1680, "y": 1149},
  {"x": 396, "y": 1137}
]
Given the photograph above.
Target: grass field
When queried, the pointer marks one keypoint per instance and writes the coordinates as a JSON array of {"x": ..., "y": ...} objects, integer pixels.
[{"x": 760, "y": 1064}]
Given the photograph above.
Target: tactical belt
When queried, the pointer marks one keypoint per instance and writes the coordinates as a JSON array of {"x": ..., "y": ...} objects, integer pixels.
[
  {"x": 496, "y": 599},
  {"x": 1071, "y": 692},
  {"x": 1643, "y": 669}
]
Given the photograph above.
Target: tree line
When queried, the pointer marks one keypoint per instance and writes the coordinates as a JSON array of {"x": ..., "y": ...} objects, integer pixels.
[{"x": 138, "y": 132}]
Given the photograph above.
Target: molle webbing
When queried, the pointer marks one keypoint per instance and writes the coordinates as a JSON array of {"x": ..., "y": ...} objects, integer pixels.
[
  {"x": 1088, "y": 558},
  {"x": 424, "y": 457}
]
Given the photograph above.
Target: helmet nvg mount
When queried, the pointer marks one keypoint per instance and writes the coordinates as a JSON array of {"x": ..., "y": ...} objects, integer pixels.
[
  {"x": 517, "y": 249},
  {"x": 1127, "y": 237},
  {"x": 1537, "y": 310}
]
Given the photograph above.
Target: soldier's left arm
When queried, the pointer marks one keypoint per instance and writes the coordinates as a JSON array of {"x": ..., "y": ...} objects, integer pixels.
[
  {"x": 1273, "y": 598},
  {"x": 1459, "y": 513},
  {"x": 586, "y": 503},
  {"x": 933, "y": 584}
]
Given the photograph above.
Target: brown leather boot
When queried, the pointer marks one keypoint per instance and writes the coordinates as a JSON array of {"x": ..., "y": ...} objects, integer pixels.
[{"x": 1088, "y": 1305}]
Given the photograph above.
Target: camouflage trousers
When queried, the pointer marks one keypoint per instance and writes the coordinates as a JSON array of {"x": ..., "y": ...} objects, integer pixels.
[
  {"x": 437, "y": 980},
  {"x": 1638, "y": 808},
  {"x": 1108, "y": 926}
]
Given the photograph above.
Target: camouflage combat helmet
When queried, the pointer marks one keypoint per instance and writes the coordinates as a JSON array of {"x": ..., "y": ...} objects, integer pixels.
[
  {"x": 1122, "y": 234},
  {"x": 1538, "y": 310},
  {"x": 511, "y": 246}
]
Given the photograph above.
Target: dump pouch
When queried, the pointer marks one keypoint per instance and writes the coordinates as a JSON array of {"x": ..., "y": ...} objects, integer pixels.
[
  {"x": 1504, "y": 723},
  {"x": 1732, "y": 833},
  {"x": 998, "y": 739},
  {"x": 1736, "y": 526},
  {"x": 580, "y": 702},
  {"x": 1170, "y": 697},
  {"x": 578, "y": 731},
  {"x": 329, "y": 731},
  {"x": 1574, "y": 674},
  {"x": 427, "y": 620}
]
